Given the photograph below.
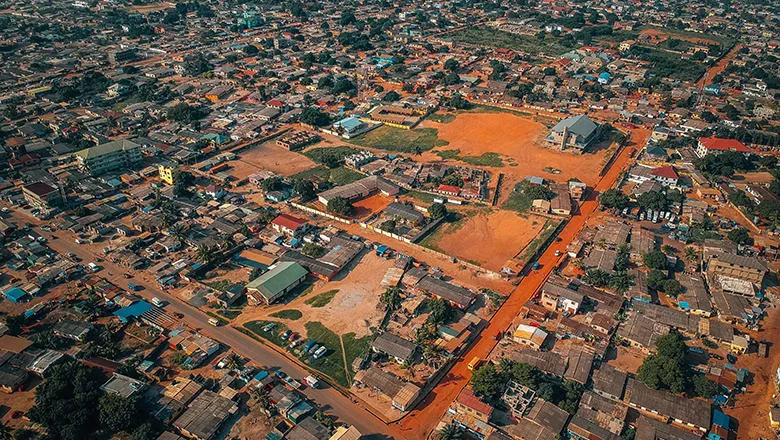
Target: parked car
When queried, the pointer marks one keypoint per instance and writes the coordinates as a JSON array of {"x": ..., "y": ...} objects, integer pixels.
[
  {"x": 270, "y": 326},
  {"x": 286, "y": 334}
]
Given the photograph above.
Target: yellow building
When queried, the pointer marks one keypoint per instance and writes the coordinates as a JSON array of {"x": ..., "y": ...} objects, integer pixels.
[{"x": 167, "y": 174}]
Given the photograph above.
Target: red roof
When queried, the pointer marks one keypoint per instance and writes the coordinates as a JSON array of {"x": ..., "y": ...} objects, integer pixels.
[
  {"x": 448, "y": 189},
  {"x": 40, "y": 189},
  {"x": 288, "y": 222},
  {"x": 667, "y": 171},
  {"x": 720, "y": 144},
  {"x": 468, "y": 399},
  {"x": 275, "y": 103}
]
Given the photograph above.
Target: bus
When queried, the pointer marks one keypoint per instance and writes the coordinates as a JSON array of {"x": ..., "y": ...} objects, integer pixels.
[{"x": 475, "y": 363}]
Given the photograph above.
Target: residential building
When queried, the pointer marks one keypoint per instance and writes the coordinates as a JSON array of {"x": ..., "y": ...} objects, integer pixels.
[
  {"x": 394, "y": 346},
  {"x": 205, "y": 415},
  {"x": 168, "y": 174},
  {"x": 529, "y": 336},
  {"x": 575, "y": 133},
  {"x": 714, "y": 145},
  {"x": 560, "y": 298},
  {"x": 737, "y": 266},
  {"x": 289, "y": 225},
  {"x": 115, "y": 155}
]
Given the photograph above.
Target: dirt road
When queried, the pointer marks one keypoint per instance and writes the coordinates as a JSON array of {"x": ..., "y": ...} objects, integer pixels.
[
  {"x": 329, "y": 399},
  {"x": 421, "y": 421},
  {"x": 720, "y": 66}
]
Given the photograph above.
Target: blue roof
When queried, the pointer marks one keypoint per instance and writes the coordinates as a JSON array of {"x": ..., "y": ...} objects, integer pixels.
[
  {"x": 720, "y": 419},
  {"x": 605, "y": 75},
  {"x": 15, "y": 294},
  {"x": 114, "y": 182},
  {"x": 134, "y": 310},
  {"x": 349, "y": 124},
  {"x": 261, "y": 375}
]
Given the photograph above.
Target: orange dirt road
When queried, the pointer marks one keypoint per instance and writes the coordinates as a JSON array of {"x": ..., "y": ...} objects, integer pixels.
[
  {"x": 720, "y": 66},
  {"x": 420, "y": 422}
]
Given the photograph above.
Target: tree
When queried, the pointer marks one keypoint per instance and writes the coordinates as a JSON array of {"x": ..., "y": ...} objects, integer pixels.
[
  {"x": 196, "y": 64},
  {"x": 388, "y": 225},
  {"x": 740, "y": 236},
  {"x": 488, "y": 382},
  {"x": 205, "y": 253},
  {"x": 597, "y": 277},
  {"x": 391, "y": 298},
  {"x": 437, "y": 210},
  {"x": 273, "y": 183},
  {"x": 183, "y": 112},
  {"x": 312, "y": 116},
  {"x": 614, "y": 199},
  {"x": 250, "y": 49},
  {"x": 655, "y": 260},
  {"x": 118, "y": 414},
  {"x": 391, "y": 96},
  {"x": 667, "y": 368},
  {"x": 672, "y": 288},
  {"x": 451, "y": 65},
  {"x": 340, "y": 205},
  {"x": 66, "y": 403},
  {"x": 305, "y": 188},
  {"x": 525, "y": 374},
  {"x": 654, "y": 200},
  {"x": 450, "y": 432},
  {"x": 313, "y": 250},
  {"x": 655, "y": 279},
  {"x": 621, "y": 282},
  {"x": 15, "y": 323},
  {"x": 704, "y": 387},
  {"x": 441, "y": 311},
  {"x": 691, "y": 255}
]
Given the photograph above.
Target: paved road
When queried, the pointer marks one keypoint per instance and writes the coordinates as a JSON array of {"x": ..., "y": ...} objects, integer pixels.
[
  {"x": 421, "y": 421},
  {"x": 329, "y": 399}
]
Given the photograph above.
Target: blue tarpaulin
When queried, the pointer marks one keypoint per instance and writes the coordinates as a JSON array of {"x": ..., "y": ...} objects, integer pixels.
[{"x": 134, "y": 310}]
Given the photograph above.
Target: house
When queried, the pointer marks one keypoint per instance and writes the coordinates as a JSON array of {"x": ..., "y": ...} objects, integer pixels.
[
  {"x": 401, "y": 394},
  {"x": 692, "y": 413},
  {"x": 350, "y": 127},
  {"x": 642, "y": 332},
  {"x": 457, "y": 296},
  {"x": 574, "y": 133},
  {"x": 289, "y": 225},
  {"x": 123, "y": 386},
  {"x": 529, "y": 336},
  {"x": 650, "y": 429},
  {"x": 471, "y": 413},
  {"x": 666, "y": 175},
  {"x": 168, "y": 174},
  {"x": 560, "y": 298},
  {"x": 205, "y": 415},
  {"x": 713, "y": 145},
  {"x": 394, "y": 346},
  {"x": 774, "y": 417},
  {"x": 16, "y": 295},
  {"x": 609, "y": 382},
  {"x": 272, "y": 285},
  {"x": 744, "y": 268},
  {"x": 76, "y": 331},
  {"x": 308, "y": 429},
  {"x": 42, "y": 195}
]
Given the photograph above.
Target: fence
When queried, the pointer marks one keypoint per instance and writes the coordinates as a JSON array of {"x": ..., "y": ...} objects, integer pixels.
[{"x": 318, "y": 212}]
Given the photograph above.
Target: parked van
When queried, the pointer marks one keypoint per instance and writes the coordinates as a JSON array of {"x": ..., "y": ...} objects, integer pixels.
[
  {"x": 312, "y": 381},
  {"x": 214, "y": 322}
]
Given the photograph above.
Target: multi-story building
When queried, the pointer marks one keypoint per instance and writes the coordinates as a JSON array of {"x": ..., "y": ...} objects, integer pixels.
[
  {"x": 168, "y": 174},
  {"x": 576, "y": 133},
  {"x": 737, "y": 266},
  {"x": 114, "y": 155},
  {"x": 42, "y": 195}
]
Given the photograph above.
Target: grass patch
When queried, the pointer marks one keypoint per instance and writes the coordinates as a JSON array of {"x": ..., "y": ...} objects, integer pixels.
[
  {"x": 421, "y": 196},
  {"x": 442, "y": 118},
  {"x": 404, "y": 141},
  {"x": 355, "y": 348},
  {"x": 291, "y": 314},
  {"x": 229, "y": 313},
  {"x": 670, "y": 65},
  {"x": 220, "y": 285},
  {"x": 343, "y": 176},
  {"x": 332, "y": 364},
  {"x": 336, "y": 176},
  {"x": 322, "y": 299},
  {"x": 484, "y": 36},
  {"x": 483, "y": 160},
  {"x": 320, "y": 154},
  {"x": 485, "y": 108},
  {"x": 547, "y": 231},
  {"x": 523, "y": 195},
  {"x": 273, "y": 336}
]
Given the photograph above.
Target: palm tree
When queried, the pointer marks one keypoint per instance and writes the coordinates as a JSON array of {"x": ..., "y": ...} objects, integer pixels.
[
  {"x": 450, "y": 432},
  {"x": 205, "y": 253},
  {"x": 391, "y": 298},
  {"x": 5, "y": 432},
  {"x": 177, "y": 232},
  {"x": 232, "y": 361},
  {"x": 691, "y": 255}
]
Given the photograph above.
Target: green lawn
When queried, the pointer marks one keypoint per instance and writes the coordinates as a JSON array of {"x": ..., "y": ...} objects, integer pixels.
[
  {"x": 484, "y": 36},
  {"x": 421, "y": 196},
  {"x": 318, "y": 154},
  {"x": 671, "y": 65},
  {"x": 322, "y": 299},
  {"x": 291, "y": 314},
  {"x": 548, "y": 229},
  {"x": 442, "y": 118},
  {"x": 484, "y": 160},
  {"x": 337, "y": 176},
  {"x": 273, "y": 336},
  {"x": 397, "y": 139},
  {"x": 355, "y": 348},
  {"x": 332, "y": 364},
  {"x": 518, "y": 202}
]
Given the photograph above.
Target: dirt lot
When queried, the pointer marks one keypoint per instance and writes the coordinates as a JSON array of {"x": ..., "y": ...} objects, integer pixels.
[
  {"x": 371, "y": 205},
  {"x": 519, "y": 139},
  {"x": 628, "y": 359},
  {"x": 487, "y": 238},
  {"x": 352, "y": 309},
  {"x": 272, "y": 157},
  {"x": 752, "y": 407}
]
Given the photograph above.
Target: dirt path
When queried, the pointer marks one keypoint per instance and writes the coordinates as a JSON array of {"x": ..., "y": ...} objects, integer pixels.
[
  {"x": 719, "y": 67},
  {"x": 344, "y": 357}
]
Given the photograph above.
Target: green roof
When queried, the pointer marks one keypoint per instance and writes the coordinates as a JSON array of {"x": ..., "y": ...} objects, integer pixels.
[
  {"x": 107, "y": 148},
  {"x": 274, "y": 282}
]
